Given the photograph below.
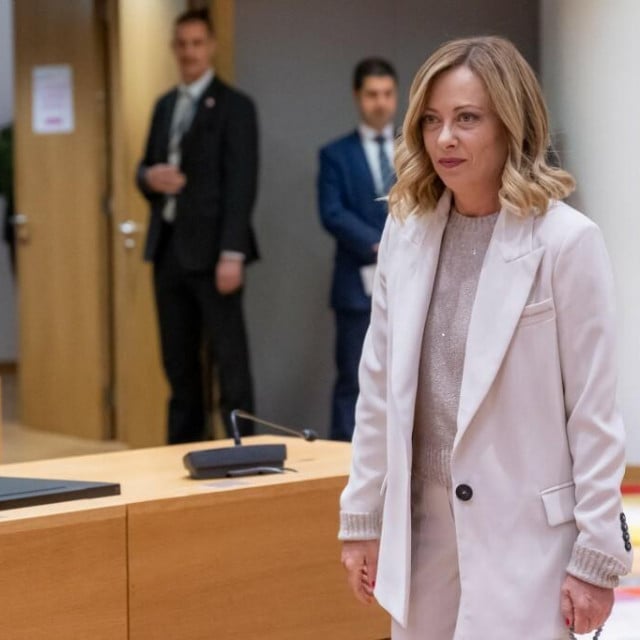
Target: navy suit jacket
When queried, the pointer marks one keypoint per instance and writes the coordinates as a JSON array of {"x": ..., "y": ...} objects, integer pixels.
[{"x": 351, "y": 213}]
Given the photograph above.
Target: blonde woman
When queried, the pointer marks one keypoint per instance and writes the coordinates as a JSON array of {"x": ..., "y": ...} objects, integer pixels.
[{"x": 483, "y": 499}]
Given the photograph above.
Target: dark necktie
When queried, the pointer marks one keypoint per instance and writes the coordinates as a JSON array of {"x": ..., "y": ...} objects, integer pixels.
[{"x": 386, "y": 171}]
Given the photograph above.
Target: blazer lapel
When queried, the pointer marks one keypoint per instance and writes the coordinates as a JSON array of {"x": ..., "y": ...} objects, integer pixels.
[
  {"x": 507, "y": 276},
  {"x": 207, "y": 110},
  {"x": 413, "y": 282}
]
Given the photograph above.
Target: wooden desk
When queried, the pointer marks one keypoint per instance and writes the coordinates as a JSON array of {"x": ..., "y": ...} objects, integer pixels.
[
  {"x": 64, "y": 575},
  {"x": 253, "y": 558}
]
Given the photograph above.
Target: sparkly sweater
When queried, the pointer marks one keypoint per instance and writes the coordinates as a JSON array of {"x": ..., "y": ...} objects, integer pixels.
[{"x": 462, "y": 252}]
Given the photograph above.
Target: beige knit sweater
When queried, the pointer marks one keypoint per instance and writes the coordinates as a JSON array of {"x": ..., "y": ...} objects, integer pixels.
[{"x": 462, "y": 251}]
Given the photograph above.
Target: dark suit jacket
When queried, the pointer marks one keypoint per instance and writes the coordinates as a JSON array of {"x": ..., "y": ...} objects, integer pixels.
[
  {"x": 350, "y": 212},
  {"x": 6, "y": 182},
  {"x": 220, "y": 161}
]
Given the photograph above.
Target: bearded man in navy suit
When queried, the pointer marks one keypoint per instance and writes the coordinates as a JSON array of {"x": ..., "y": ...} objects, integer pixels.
[{"x": 356, "y": 173}]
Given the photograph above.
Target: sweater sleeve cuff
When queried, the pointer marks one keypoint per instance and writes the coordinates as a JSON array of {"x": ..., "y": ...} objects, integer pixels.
[
  {"x": 595, "y": 567},
  {"x": 360, "y": 526}
]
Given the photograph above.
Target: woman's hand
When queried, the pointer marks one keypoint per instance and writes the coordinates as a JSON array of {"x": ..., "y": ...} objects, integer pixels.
[
  {"x": 360, "y": 559},
  {"x": 585, "y": 606}
]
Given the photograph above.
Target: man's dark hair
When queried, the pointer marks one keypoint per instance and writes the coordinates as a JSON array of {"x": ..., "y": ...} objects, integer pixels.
[
  {"x": 195, "y": 15},
  {"x": 372, "y": 67}
]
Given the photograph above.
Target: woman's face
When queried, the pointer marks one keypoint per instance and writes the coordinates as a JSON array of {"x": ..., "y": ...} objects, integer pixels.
[{"x": 465, "y": 139}]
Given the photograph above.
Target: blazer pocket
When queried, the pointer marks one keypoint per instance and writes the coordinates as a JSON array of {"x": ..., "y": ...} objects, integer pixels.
[
  {"x": 559, "y": 503},
  {"x": 537, "y": 312}
]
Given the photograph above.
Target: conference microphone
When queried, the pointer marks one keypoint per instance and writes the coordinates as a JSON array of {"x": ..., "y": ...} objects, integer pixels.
[
  {"x": 242, "y": 460},
  {"x": 307, "y": 434}
]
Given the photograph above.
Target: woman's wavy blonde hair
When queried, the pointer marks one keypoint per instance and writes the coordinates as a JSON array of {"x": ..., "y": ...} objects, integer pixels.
[{"x": 528, "y": 182}]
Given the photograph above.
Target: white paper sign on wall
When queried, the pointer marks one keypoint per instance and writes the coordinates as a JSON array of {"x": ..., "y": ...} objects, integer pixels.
[{"x": 52, "y": 91}]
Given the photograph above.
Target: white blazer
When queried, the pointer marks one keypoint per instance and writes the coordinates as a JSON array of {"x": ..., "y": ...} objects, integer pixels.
[{"x": 539, "y": 438}]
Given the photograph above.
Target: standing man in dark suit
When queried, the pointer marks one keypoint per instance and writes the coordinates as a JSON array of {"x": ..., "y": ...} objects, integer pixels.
[
  {"x": 199, "y": 174},
  {"x": 355, "y": 172}
]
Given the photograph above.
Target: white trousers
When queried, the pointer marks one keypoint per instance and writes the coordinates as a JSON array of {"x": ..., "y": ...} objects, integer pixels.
[{"x": 435, "y": 580}]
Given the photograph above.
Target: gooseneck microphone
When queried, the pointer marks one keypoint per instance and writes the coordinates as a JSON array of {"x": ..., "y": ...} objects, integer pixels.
[
  {"x": 243, "y": 460},
  {"x": 307, "y": 434}
]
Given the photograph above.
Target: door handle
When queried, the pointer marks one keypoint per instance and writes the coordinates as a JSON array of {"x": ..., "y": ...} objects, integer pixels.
[
  {"x": 20, "y": 222},
  {"x": 129, "y": 229}
]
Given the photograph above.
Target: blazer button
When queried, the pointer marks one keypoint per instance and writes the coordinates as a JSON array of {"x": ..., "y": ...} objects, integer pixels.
[
  {"x": 627, "y": 546},
  {"x": 623, "y": 518},
  {"x": 626, "y": 537},
  {"x": 464, "y": 492}
]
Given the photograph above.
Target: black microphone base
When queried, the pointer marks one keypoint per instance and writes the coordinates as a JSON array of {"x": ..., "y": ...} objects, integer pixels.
[{"x": 236, "y": 461}]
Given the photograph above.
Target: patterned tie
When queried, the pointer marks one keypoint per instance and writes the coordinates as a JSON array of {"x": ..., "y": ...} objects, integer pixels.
[
  {"x": 386, "y": 171},
  {"x": 180, "y": 123}
]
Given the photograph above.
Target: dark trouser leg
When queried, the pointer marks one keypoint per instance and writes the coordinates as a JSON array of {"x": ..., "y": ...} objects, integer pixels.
[
  {"x": 180, "y": 324},
  {"x": 351, "y": 328},
  {"x": 224, "y": 322}
]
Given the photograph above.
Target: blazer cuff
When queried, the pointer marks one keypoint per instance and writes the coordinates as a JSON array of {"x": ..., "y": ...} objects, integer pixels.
[
  {"x": 595, "y": 567},
  {"x": 360, "y": 526}
]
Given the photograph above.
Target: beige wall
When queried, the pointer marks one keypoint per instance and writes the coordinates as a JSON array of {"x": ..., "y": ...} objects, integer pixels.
[{"x": 589, "y": 58}]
